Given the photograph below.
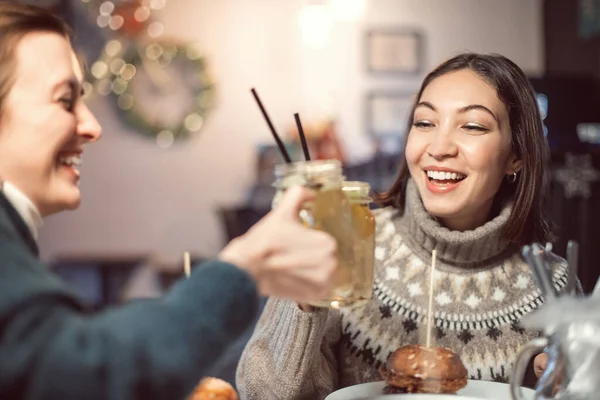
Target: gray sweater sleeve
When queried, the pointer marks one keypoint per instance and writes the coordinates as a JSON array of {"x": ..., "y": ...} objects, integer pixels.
[{"x": 291, "y": 355}]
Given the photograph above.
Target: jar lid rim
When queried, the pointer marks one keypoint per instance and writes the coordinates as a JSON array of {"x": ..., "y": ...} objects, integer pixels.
[{"x": 308, "y": 167}]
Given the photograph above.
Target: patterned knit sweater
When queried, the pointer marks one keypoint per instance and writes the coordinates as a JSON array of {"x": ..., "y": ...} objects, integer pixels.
[{"x": 482, "y": 288}]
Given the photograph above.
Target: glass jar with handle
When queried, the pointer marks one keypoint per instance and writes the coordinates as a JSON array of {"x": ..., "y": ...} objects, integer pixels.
[{"x": 342, "y": 210}]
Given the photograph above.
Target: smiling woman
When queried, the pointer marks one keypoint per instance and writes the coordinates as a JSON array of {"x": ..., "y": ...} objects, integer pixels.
[
  {"x": 471, "y": 186},
  {"x": 487, "y": 121},
  {"x": 466, "y": 141},
  {"x": 44, "y": 123}
]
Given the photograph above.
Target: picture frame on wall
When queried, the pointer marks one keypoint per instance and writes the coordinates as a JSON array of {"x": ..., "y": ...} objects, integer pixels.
[
  {"x": 387, "y": 116},
  {"x": 394, "y": 51}
]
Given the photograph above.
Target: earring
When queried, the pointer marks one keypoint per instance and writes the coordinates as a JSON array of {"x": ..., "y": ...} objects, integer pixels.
[{"x": 513, "y": 177}]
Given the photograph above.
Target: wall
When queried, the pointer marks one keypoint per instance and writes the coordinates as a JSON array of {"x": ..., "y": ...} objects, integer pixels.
[{"x": 140, "y": 198}]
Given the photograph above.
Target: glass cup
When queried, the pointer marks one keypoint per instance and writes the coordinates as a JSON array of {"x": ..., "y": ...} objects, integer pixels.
[
  {"x": 342, "y": 210},
  {"x": 363, "y": 228}
]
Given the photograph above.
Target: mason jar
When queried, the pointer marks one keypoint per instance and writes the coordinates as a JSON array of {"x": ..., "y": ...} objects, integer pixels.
[
  {"x": 343, "y": 213},
  {"x": 363, "y": 228}
]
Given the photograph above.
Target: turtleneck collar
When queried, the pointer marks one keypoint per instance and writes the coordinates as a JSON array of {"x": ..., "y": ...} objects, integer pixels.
[
  {"x": 464, "y": 249},
  {"x": 24, "y": 206}
]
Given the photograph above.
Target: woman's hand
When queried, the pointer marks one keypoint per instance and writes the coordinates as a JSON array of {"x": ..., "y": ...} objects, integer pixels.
[
  {"x": 285, "y": 258},
  {"x": 539, "y": 364}
]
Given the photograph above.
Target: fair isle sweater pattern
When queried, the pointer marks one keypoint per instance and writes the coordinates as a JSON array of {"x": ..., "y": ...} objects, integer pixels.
[{"x": 477, "y": 305}]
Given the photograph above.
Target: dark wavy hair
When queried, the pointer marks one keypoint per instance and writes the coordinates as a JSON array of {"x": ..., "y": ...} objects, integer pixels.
[{"x": 529, "y": 221}]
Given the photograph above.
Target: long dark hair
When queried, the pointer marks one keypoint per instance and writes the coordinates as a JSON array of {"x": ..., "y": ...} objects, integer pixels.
[{"x": 529, "y": 220}]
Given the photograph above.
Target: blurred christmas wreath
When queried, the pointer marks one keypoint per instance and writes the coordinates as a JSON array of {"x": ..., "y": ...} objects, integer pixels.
[{"x": 161, "y": 87}]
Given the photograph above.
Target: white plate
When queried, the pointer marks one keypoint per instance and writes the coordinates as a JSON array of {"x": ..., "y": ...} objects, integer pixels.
[
  {"x": 482, "y": 390},
  {"x": 421, "y": 397}
]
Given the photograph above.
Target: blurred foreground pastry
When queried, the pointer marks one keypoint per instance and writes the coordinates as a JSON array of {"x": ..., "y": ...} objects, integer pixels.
[
  {"x": 420, "y": 369},
  {"x": 214, "y": 389}
]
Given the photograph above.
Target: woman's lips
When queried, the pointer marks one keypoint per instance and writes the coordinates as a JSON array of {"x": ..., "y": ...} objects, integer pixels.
[
  {"x": 70, "y": 162},
  {"x": 441, "y": 182}
]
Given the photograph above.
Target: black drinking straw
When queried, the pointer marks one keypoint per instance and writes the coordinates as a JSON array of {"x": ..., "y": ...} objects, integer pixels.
[
  {"x": 302, "y": 137},
  {"x": 280, "y": 144}
]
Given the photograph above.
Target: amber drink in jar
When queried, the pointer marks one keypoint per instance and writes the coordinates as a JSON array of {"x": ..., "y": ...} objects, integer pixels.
[
  {"x": 338, "y": 211},
  {"x": 363, "y": 228}
]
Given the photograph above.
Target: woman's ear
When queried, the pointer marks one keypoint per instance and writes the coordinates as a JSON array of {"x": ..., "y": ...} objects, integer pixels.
[{"x": 513, "y": 165}]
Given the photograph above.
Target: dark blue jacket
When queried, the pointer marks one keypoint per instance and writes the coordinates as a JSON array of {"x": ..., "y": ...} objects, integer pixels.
[{"x": 52, "y": 348}]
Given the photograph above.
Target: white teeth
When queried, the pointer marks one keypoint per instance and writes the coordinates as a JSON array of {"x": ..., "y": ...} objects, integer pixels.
[
  {"x": 72, "y": 161},
  {"x": 444, "y": 176}
]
